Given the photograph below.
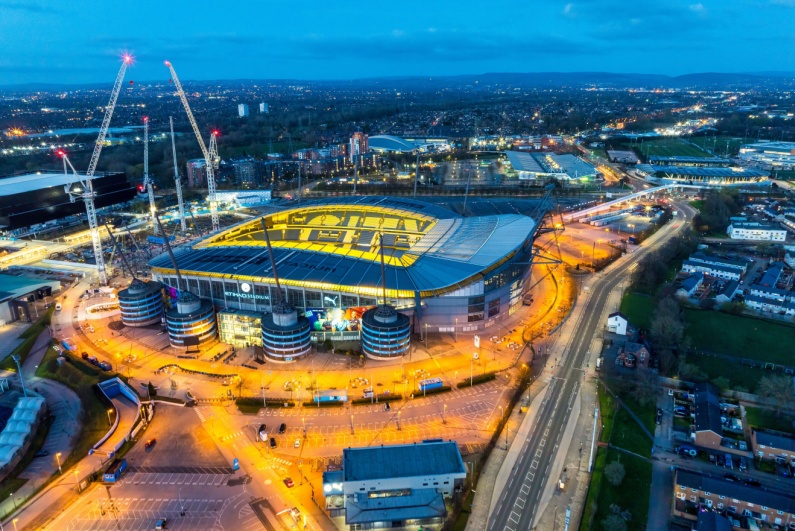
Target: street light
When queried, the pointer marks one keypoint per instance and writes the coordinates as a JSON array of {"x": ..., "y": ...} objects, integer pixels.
[
  {"x": 352, "y": 425},
  {"x": 58, "y": 458},
  {"x": 14, "y": 521},
  {"x": 398, "y": 420},
  {"x": 426, "y": 336},
  {"x": 444, "y": 418},
  {"x": 109, "y": 412}
]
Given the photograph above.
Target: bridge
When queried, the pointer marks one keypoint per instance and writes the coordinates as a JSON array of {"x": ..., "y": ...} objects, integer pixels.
[{"x": 571, "y": 216}]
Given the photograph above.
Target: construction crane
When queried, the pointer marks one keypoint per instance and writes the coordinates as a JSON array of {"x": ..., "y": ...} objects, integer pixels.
[
  {"x": 210, "y": 157},
  {"x": 177, "y": 181},
  {"x": 147, "y": 180},
  {"x": 87, "y": 193}
]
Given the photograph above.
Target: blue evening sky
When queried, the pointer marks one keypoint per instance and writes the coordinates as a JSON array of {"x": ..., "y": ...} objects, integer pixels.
[{"x": 78, "y": 41}]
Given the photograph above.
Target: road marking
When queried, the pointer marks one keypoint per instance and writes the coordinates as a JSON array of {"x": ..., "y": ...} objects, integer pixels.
[
  {"x": 538, "y": 453},
  {"x": 527, "y": 491},
  {"x": 512, "y": 519},
  {"x": 543, "y": 442},
  {"x": 519, "y": 503},
  {"x": 546, "y": 432},
  {"x": 534, "y": 464}
]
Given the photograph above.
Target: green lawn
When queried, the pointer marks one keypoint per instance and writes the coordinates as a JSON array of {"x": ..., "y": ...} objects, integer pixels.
[
  {"x": 698, "y": 204},
  {"x": 768, "y": 419},
  {"x": 742, "y": 337},
  {"x": 638, "y": 308},
  {"x": 784, "y": 175},
  {"x": 80, "y": 377},
  {"x": 632, "y": 494},
  {"x": 736, "y": 373},
  {"x": 721, "y": 144},
  {"x": 671, "y": 147}
]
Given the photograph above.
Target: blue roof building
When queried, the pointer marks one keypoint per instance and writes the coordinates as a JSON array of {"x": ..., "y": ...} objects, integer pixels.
[{"x": 405, "y": 483}]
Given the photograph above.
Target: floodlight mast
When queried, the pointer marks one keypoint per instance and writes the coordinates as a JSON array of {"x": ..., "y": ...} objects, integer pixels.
[
  {"x": 210, "y": 158},
  {"x": 147, "y": 179},
  {"x": 87, "y": 194},
  {"x": 273, "y": 262},
  {"x": 177, "y": 181}
]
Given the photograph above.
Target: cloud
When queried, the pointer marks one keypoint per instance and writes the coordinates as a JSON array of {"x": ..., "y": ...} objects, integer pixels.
[
  {"x": 697, "y": 8},
  {"x": 568, "y": 10}
]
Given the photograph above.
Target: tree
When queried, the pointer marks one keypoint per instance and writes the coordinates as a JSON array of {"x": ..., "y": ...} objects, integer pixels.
[
  {"x": 722, "y": 383},
  {"x": 615, "y": 472},
  {"x": 614, "y": 522},
  {"x": 667, "y": 329},
  {"x": 643, "y": 387},
  {"x": 778, "y": 389}
]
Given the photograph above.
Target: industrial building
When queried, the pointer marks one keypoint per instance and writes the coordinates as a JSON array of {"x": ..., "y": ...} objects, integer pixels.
[
  {"x": 443, "y": 271},
  {"x": 701, "y": 175},
  {"x": 541, "y": 167},
  {"x": 769, "y": 155},
  {"x": 394, "y": 486},
  {"x": 38, "y": 197},
  {"x": 18, "y": 295}
]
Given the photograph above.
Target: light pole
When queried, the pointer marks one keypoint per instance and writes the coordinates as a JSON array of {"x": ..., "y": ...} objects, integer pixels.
[
  {"x": 352, "y": 425},
  {"x": 426, "y": 336},
  {"x": 444, "y": 417},
  {"x": 471, "y": 362},
  {"x": 398, "y": 420},
  {"x": 109, "y": 412},
  {"x": 14, "y": 521},
  {"x": 58, "y": 458},
  {"x": 14, "y": 500},
  {"x": 455, "y": 330}
]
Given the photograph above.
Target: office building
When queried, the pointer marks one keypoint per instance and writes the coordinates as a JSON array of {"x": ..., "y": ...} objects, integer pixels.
[
  {"x": 242, "y": 110},
  {"x": 359, "y": 145},
  {"x": 197, "y": 173},
  {"x": 752, "y": 230}
]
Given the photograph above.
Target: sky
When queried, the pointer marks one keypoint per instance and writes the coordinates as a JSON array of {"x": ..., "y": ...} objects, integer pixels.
[{"x": 80, "y": 41}]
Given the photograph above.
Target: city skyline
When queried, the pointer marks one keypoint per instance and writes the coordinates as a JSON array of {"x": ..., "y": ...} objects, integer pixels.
[{"x": 348, "y": 42}]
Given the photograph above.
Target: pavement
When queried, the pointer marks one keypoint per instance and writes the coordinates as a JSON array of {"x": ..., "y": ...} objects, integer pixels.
[{"x": 522, "y": 502}]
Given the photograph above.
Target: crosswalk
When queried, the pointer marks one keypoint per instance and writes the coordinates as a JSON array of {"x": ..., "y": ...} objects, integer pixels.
[{"x": 146, "y": 478}]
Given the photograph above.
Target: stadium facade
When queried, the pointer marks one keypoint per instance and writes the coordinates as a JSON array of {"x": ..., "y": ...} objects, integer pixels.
[
  {"x": 33, "y": 198},
  {"x": 442, "y": 270},
  {"x": 702, "y": 175}
]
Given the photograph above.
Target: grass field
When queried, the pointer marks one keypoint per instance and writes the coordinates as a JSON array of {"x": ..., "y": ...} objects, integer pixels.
[
  {"x": 638, "y": 308},
  {"x": 741, "y": 337},
  {"x": 768, "y": 419},
  {"x": 738, "y": 375},
  {"x": 670, "y": 147},
  {"x": 721, "y": 145}
]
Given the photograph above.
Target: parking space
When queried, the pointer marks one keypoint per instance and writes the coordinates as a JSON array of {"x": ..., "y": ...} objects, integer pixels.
[{"x": 143, "y": 513}]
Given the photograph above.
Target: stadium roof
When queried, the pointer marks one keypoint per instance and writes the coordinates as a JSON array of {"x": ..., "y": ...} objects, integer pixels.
[
  {"x": 401, "y": 461},
  {"x": 695, "y": 160},
  {"x": 333, "y": 244},
  {"x": 698, "y": 171},
  {"x": 522, "y": 161},
  {"x": 390, "y": 143},
  {"x": 34, "y": 181}
]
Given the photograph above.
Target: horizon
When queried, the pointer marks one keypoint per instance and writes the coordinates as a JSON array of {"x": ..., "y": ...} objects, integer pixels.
[{"x": 317, "y": 42}]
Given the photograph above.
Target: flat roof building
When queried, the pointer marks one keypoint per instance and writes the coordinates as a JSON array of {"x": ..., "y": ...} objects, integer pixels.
[
  {"x": 752, "y": 230},
  {"x": 769, "y": 155},
  {"x": 400, "y": 485},
  {"x": 699, "y": 175}
]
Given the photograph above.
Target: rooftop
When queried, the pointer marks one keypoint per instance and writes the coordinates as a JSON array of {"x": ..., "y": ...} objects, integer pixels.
[
  {"x": 338, "y": 243},
  {"x": 780, "y": 441},
  {"x": 777, "y": 500},
  {"x": 710, "y": 265},
  {"x": 401, "y": 461},
  {"x": 707, "y": 408},
  {"x": 694, "y": 160},
  {"x": 726, "y": 262},
  {"x": 420, "y": 504},
  {"x": 699, "y": 171}
]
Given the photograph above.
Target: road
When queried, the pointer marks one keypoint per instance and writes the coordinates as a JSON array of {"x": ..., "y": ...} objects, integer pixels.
[{"x": 520, "y": 500}]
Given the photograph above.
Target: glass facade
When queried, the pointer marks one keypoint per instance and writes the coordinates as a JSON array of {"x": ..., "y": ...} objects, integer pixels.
[
  {"x": 194, "y": 328},
  {"x": 141, "y": 304},
  {"x": 240, "y": 328}
]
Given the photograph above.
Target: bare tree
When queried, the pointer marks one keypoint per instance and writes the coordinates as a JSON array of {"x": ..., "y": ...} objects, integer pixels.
[{"x": 778, "y": 389}]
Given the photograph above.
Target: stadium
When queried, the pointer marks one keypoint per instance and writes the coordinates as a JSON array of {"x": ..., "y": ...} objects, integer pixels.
[{"x": 444, "y": 271}]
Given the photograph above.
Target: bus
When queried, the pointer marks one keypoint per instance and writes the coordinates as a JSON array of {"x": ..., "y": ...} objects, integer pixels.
[{"x": 430, "y": 383}]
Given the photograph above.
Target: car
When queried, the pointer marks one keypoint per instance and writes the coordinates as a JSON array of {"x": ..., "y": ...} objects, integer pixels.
[
  {"x": 721, "y": 461},
  {"x": 273, "y": 442},
  {"x": 658, "y": 420},
  {"x": 162, "y": 523},
  {"x": 282, "y": 428},
  {"x": 41, "y": 453},
  {"x": 752, "y": 482},
  {"x": 712, "y": 459},
  {"x": 743, "y": 465},
  {"x": 729, "y": 461},
  {"x": 150, "y": 443},
  {"x": 289, "y": 483},
  {"x": 659, "y": 411},
  {"x": 731, "y": 477},
  {"x": 295, "y": 513},
  {"x": 297, "y": 443}
]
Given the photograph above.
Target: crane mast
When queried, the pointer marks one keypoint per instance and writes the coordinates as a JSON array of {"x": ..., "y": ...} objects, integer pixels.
[
  {"x": 147, "y": 179},
  {"x": 87, "y": 194},
  {"x": 209, "y": 159},
  {"x": 177, "y": 181}
]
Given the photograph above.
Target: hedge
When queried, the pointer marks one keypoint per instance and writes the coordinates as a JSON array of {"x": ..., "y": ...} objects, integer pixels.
[
  {"x": 324, "y": 404},
  {"x": 435, "y": 391},
  {"x": 479, "y": 379},
  {"x": 257, "y": 401},
  {"x": 381, "y": 398}
]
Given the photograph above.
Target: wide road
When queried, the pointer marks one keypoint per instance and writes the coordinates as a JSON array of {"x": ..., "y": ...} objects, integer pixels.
[{"x": 520, "y": 499}]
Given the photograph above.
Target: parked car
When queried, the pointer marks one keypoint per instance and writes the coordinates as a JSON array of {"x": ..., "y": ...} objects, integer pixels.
[
  {"x": 729, "y": 461},
  {"x": 162, "y": 523},
  {"x": 283, "y": 428},
  {"x": 105, "y": 366},
  {"x": 297, "y": 443},
  {"x": 149, "y": 444},
  {"x": 731, "y": 477},
  {"x": 752, "y": 482},
  {"x": 743, "y": 465},
  {"x": 273, "y": 442}
]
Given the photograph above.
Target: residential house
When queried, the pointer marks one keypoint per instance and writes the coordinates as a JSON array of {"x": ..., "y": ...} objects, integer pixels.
[
  {"x": 742, "y": 265},
  {"x": 712, "y": 521},
  {"x": 689, "y": 285},
  {"x": 640, "y": 353},
  {"x": 770, "y": 445},
  {"x": 746, "y": 506},
  {"x": 713, "y": 270},
  {"x": 753, "y": 230},
  {"x": 706, "y": 409},
  {"x": 768, "y": 292},
  {"x": 762, "y": 304},
  {"x": 728, "y": 292},
  {"x": 617, "y": 323},
  {"x": 772, "y": 274}
]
